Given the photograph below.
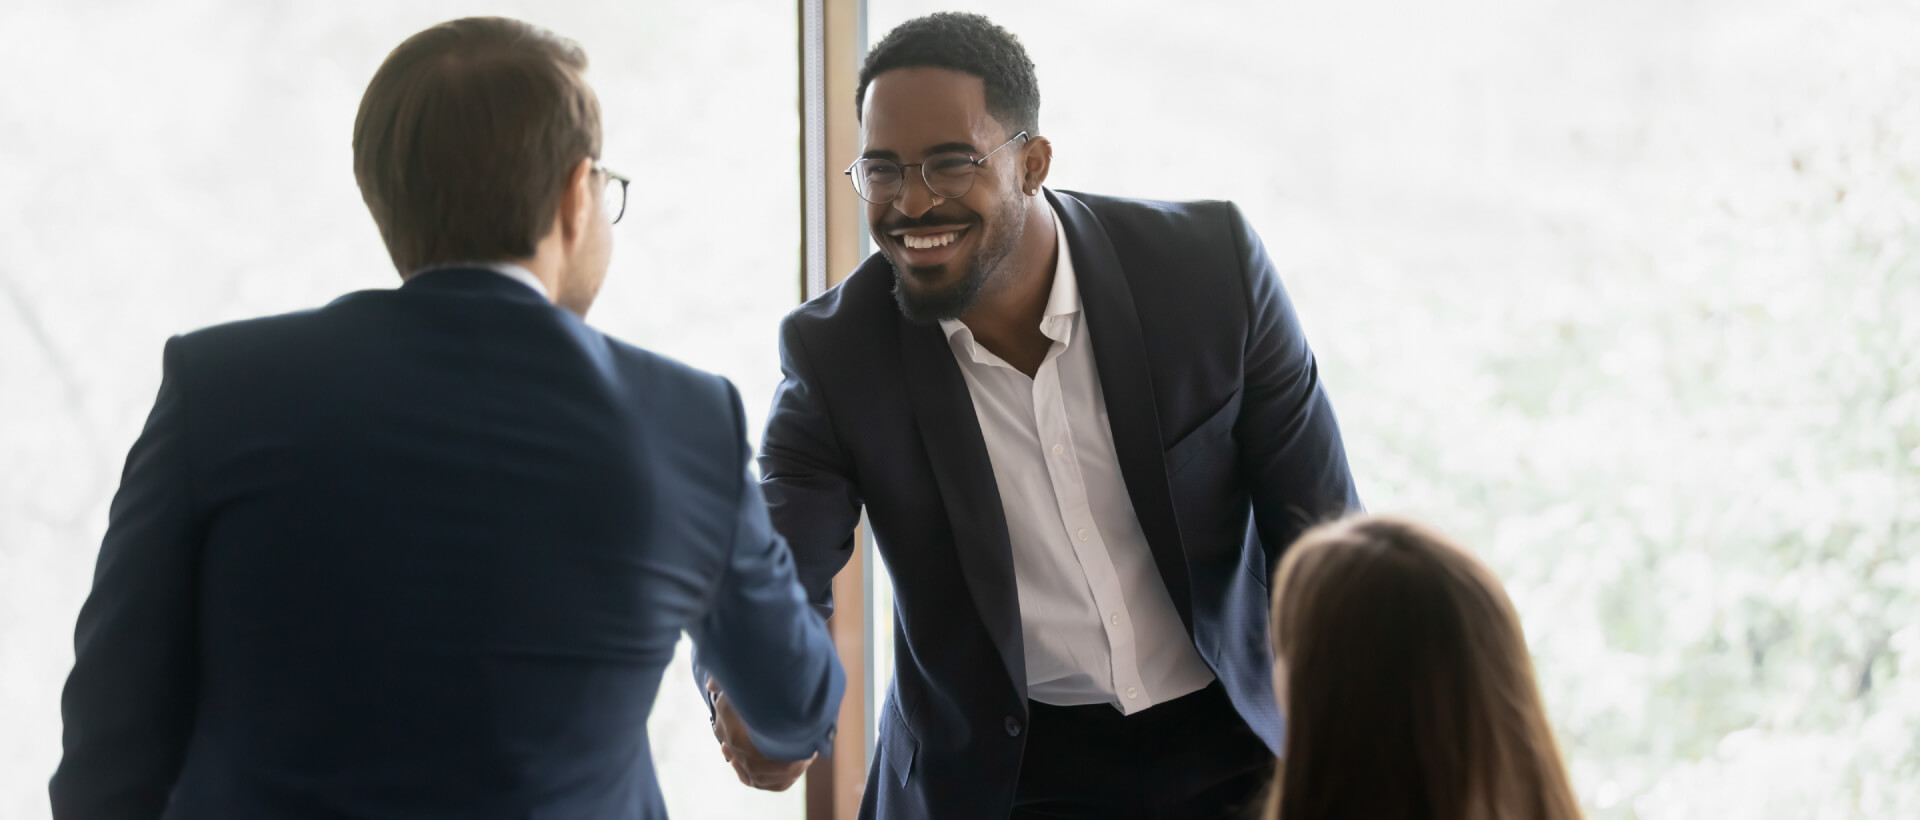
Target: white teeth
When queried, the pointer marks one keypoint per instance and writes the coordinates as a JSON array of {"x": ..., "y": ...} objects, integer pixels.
[{"x": 934, "y": 241}]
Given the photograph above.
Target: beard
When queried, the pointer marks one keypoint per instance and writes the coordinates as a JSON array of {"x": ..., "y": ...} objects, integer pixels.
[
  {"x": 954, "y": 300},
  {"x": 935, "y": 306}
]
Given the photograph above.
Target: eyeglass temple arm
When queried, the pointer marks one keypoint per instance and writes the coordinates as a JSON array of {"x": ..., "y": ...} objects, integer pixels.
[{"x": 1021, "y": 135}]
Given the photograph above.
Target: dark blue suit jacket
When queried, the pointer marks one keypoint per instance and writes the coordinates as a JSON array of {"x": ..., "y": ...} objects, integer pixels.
[
  {"x": 1226, "y": 441},
  {"x": 425, "y": 552}
]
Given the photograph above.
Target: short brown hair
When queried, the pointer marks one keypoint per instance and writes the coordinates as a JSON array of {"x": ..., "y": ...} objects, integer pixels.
[
  {"x": 466, "y": 136},
  {"x": 1409, "y": 689}
]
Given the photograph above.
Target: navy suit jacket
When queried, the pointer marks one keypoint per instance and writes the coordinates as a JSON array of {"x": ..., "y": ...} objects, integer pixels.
[
  {"x": 1226, "y": 442},
  {"x": 426, "y": 552}
]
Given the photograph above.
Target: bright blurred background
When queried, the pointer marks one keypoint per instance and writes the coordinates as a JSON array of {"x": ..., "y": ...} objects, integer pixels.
[
  {"x": 170, "y": 165},
  {"x": 1626, "y": 295}
]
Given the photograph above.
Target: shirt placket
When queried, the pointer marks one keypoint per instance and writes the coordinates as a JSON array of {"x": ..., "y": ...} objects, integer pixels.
[{"x": 1076, "y": 516}]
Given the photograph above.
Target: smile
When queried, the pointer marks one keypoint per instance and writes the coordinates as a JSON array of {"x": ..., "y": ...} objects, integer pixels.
[
  {"x": 937, "y": 240},
  {"x": 928, "y": 238}
]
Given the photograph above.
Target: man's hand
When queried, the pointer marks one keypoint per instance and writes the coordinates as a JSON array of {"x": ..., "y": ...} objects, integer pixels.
[{"x": 753, "y": 768}]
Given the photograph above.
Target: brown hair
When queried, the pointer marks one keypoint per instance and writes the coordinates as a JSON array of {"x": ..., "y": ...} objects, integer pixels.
[
  {"x": 466, "y": 136},
  {"x": 1409, "y": 693}
]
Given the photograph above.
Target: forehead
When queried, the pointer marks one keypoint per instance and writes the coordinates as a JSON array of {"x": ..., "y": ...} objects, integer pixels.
[{"x": 912, "y": 109}]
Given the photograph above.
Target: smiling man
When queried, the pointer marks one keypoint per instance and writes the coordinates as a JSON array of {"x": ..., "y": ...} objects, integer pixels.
[{"x": 1083, "y": 429}]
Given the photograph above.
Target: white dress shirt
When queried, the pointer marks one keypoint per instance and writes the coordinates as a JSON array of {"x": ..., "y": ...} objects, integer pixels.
[
  {"x": 1095, "y": 617},
  {"x": 508, "y": 269}
]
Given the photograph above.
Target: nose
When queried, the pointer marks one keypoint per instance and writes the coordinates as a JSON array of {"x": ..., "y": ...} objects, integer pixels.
[{"x": 915, "y": 197}]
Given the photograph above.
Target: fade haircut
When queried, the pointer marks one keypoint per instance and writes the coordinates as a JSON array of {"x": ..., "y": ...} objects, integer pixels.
[
  {"x": 466, "y": 136},
  {"x": 967, "y": 43}
]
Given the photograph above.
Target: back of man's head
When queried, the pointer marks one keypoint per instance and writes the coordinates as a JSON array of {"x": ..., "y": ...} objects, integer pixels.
[{"x": 466, "y": 137}]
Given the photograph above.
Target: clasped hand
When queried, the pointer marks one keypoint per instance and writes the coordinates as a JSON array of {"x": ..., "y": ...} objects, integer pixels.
[{"x": 753, "y": 768}]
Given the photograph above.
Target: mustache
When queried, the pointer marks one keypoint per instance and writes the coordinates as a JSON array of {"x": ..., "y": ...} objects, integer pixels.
[{"x": 928, "y": 220}]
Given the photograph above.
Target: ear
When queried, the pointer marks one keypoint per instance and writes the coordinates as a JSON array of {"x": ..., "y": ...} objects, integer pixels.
[
  {"x": 1036, "y": 160},
  {"x": 578, "y": 201}
]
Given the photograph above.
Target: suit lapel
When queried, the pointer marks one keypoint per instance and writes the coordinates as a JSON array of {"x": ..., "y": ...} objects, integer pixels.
[
  {"x": 964, "y": 473},
  {"x": 1120, "y": 357}
]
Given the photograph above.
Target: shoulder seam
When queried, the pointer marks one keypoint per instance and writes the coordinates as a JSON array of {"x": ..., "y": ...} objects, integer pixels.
[
  {"x": 176, "y": 346},
  {"x": 806, "y": 356},
  {"x": 742, "y": 453},
  {"x": 1235, "y": 220}
]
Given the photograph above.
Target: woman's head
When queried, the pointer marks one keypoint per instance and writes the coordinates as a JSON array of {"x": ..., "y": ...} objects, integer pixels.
[{"x": 1406, "y": 681}]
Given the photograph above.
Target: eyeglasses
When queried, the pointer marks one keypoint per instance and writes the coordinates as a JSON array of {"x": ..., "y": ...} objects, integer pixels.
[
  {"x": 948, "y": 175},
  {"x": 615, "y": 198}
]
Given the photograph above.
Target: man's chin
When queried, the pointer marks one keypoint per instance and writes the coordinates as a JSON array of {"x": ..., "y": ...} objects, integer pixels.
[
  {"x": 930, "y": 304},
  {"x": 927, "y": 280},
  {"x": 923, "y": 275}
]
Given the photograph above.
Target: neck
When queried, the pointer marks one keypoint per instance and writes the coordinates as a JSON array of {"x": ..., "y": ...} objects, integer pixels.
[
  {"x": 545, "y": 264},
  {"x": 548, "y": 277},
  {"x": 1006, "y": 319}
]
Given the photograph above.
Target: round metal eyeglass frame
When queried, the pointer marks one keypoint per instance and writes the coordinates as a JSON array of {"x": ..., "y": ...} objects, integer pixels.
[
  {"x": 900, "y": 187},
  {"x": 612, "y": 178}
]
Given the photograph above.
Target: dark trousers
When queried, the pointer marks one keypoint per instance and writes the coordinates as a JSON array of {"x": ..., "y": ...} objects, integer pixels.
[{"x": 1192, "y": 757}]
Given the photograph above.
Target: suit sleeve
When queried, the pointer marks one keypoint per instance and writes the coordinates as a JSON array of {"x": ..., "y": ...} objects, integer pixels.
[
  {"x": 128, "y": 707},
  {"x": 810, "y": 488},
  {"x": 1290, "y": 447},
  {"x": 770, "y": 653}
]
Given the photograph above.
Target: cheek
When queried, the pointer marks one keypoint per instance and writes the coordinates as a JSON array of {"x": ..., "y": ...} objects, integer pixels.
[
  {"x": 991, "y": 193},
  {"x": 990, "y": 207}
]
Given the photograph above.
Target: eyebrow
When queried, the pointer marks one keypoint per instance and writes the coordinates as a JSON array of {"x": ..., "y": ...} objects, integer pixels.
[{"x": 942, "y": 148}]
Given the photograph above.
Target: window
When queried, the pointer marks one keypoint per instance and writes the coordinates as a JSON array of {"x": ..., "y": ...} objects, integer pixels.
[
  {"x": 163, "y": 168},
  {"x": 1623, "y": 294}
]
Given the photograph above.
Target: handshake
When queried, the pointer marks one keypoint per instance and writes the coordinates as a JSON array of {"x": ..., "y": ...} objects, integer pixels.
[
  {"x": 753, "y": 768},
  {"x": 1060, "y": 412}
]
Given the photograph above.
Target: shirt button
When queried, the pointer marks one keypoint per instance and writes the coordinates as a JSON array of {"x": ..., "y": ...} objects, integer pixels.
[
  {"x": 1057, "y": 449},
  {"x": 1132, "y": 693},
  {"x": 1115, "y": 619},
  {"x": 1082, "y": 534},
  {"x": 1013, "y": 726}
]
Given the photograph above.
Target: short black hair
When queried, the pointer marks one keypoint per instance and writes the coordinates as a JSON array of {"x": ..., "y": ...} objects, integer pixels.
[{"x": 967, "y": 43}]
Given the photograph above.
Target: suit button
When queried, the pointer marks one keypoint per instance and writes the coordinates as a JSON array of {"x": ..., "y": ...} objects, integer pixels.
[{"x": 1013, "y": 726}]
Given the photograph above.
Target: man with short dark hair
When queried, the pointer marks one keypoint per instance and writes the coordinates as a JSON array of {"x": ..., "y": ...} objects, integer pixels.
[
  {"x": 1083, "y": 428},
  {"x": 425, "y": 552}
]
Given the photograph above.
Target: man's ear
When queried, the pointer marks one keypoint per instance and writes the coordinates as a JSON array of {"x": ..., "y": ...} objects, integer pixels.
[
  {"x": 1036, "y": 159},
  {"x": 577, "y": 200}
]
